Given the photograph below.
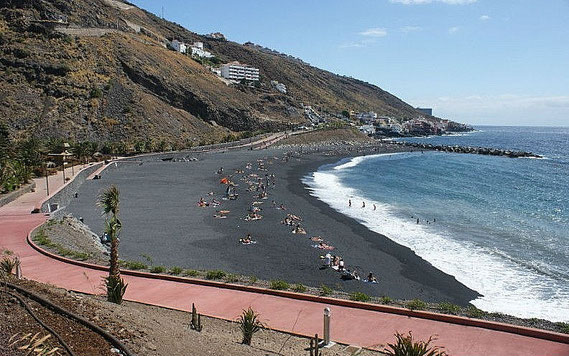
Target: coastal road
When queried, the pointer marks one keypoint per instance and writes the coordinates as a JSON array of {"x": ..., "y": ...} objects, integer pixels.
[{"x": 349, "y": 325}]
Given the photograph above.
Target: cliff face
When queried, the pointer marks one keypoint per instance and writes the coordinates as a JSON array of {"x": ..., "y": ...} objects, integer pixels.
[{"x": 99, "y": 70}]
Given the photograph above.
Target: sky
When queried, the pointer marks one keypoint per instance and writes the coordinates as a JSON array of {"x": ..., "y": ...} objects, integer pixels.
[{"x": 482, "y": 62}]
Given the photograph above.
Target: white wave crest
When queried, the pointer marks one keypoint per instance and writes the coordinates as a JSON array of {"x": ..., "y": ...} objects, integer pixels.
[{"x": 507, "y": 287}]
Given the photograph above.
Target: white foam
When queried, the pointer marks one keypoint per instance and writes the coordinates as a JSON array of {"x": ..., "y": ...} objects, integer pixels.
[
  {"x": 507, "y": 287},
  {"x": 359, "y": 159}
]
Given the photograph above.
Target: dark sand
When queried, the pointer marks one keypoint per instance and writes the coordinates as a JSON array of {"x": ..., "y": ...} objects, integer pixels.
[{"x": 161, "y": 219}]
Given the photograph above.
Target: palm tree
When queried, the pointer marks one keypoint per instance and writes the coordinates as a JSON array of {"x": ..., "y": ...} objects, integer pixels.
[{"x": 109, "y": 201}]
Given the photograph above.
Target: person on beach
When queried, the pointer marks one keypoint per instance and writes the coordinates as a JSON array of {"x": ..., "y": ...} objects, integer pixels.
[
  {"x": 374, "y": 207},
  {"x": 246, "y": 240},
  {"x": 328, "y": 260},
  {"x": 417, "y": 220},
  {"x": 350, "y": 202},
  {"x": 363, "y": 204},
  {"x": 371, "y": 278},
  {"x": 341, "y": 265}
]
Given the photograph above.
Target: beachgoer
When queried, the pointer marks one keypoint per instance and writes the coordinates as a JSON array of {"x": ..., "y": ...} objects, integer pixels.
[
  {"x": 371, "y": 278},
  {"x": 417, "y": 220},
  {"x": 363, "y": 204},
  {"x": 341, "y": 265},
  {"x": 328, "y": 260},
  {"x": 350, "y": 202},
  {"x": 374, "y": 207}
]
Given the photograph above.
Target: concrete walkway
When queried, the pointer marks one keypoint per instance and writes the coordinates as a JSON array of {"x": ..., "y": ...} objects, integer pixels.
[{"x": 349, "y": 325}]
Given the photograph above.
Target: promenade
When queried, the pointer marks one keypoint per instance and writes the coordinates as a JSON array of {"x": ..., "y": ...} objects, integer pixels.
[{"x": 349, "y": 325}]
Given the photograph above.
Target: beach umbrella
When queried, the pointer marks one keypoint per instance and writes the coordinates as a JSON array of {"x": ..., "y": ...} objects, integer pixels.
[{"x": 224, "y": 181}]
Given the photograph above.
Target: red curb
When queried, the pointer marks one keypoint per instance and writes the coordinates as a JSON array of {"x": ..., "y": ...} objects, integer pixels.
[{"x": 452, "y": 319}]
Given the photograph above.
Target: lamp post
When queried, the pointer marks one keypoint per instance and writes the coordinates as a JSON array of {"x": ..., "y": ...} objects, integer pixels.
[{"x": 46, "y": 180}]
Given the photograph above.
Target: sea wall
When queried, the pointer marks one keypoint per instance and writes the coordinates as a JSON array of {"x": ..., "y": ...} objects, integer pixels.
[{"x": 472, "y": 150}]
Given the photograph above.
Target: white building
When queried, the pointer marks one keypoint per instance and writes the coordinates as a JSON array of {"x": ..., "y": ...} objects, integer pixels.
[
  {"x": 238, "y": 71},
  {"x": 197, "y": 50},
  {"x": 179, "y": 46},
  {"x": 367, "y": 129},
  {"x": 366, "y": 116},
  {"x": 279, "y": 86}
]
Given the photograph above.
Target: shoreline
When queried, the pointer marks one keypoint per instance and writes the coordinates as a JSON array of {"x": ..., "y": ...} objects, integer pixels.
[{"x": 212, "y": 243}]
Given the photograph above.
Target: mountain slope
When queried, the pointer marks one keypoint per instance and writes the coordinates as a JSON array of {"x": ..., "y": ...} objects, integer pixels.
[{"x": 99, "y": 70}]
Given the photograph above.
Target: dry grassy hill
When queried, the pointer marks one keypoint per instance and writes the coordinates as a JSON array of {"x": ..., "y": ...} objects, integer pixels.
[{"x": 99, "y": 70}]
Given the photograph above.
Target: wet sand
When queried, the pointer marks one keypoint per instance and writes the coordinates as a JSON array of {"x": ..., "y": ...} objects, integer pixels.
[{"x": 161, "y": 219}]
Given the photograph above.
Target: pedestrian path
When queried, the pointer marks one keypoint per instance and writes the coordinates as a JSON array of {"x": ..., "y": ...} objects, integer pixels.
[{"x": 349, "y": 325}]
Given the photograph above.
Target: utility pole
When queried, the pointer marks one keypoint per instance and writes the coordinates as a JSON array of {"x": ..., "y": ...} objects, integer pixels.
[{"x": 162, "y": 12}]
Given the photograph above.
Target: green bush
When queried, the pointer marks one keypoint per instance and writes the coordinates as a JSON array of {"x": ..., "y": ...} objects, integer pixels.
[
  {"x": 385, "y": 300},
  {"x": 158, "y": 269},
  {"x": 449, "y": 308},
  {"x": 191, "y": 273},
  {"x": 299, "y": 288},
  {"x": 249, "y": 324},
  {"x": 416, "y": 304},
  {"x": 231, "y": 278},
  {"x": 360, "y": 297},
  {"x": 279, "y": 284},
  {"x": 215, "y": 274},
  {"x": 474, "y": 312},
  {"x": 176, "y": 270},
  {"x": 253, "y": 279},
  {"x": 405, "y": 346},
  {"x": 563, "y": 327},
  {"x": 96, "y": 93},
  {"x": 325, "y": 290},
  {"x": 134, "y": 265}
]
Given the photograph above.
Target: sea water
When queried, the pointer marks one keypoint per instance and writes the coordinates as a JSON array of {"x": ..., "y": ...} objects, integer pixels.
[{"x": 499, "y": 225}]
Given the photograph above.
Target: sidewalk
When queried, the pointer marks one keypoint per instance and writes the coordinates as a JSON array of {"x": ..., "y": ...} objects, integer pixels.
[{"x": 349, "y": 325}]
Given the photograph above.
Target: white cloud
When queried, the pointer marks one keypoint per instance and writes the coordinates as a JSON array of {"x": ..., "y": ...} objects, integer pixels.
[
  {"x": 504, "y": 109},
  {"x": 453, "y": 30},
  {"x": 485, "y": 17},
  {"x": 374, "y": 32},
  {"x": 407, "y": 29},
  {"x": 420, "y": 2}
]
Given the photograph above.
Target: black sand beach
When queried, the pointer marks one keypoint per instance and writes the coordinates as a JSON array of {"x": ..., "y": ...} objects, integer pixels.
[{"x": 161, "y": 219}]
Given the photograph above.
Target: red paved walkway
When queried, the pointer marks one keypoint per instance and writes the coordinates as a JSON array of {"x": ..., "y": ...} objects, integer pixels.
[{"x": 349, "y": 325}]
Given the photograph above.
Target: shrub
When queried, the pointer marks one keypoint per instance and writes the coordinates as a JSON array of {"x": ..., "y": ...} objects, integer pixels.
[
  {"x": 134, "y": 265},
  {"x": 385, "y": 300},
  {"x": 564, "y": 327},
  {"x": 474, "y": 312},
  {"x": 176, "y": 270},
  {"x": 191, "y": 273},
  {"x": 7, "y": 265},
  {"x": 249, "y": 324},
  {"x": 279, "y": 284},
  {"x": 158, "y": 269},
  {"x": 416, "y": 304},
  {"x": 215, "y": 274},
  {"x": 252, "y": 279},
  {"x": 96, "y": 93},
  {"x": 360, "y": 297},
  {"x": 300, "y": 288},
  {"x": 449, "y": 308},
  {"x": 231, "y": 278},
  {"x": 405, "y": 346},
  {"x": 325, "y": 290}
]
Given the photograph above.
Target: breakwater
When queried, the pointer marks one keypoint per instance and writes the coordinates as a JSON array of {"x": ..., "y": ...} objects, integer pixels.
[{"x": 471, "y": 150}]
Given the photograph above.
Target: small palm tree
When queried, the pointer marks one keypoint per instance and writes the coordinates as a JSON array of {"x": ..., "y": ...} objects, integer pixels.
[
  {"x": 109, "y": 200},
  {"x": 406, "y": 346},
  {"x": 249, "y": 324}
]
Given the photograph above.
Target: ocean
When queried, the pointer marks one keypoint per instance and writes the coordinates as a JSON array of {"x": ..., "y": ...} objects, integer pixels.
[{"x": 499, "y": 225}]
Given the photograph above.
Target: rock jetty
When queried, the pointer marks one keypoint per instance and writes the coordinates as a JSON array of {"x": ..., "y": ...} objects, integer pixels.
[{"x": 472, "y": 150}]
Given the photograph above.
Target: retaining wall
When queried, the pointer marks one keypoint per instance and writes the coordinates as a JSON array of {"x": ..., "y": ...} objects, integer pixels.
[
  {"x": 64, "y": 195},
  {"x": 10, "y": 197}
]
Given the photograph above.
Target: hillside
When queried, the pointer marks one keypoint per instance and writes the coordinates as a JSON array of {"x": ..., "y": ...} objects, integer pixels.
[{"x": 99, "y": 70}]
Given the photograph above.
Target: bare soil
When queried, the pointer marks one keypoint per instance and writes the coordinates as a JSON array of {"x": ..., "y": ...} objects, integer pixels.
[{"x": 145, "y": 330}]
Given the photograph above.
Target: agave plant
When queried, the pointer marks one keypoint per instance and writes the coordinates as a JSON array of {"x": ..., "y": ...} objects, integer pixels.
[
  {"x": 406, "y": 346},
  {"x": 8, "y": 264},
  {"x": 249, "y": 324}
]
